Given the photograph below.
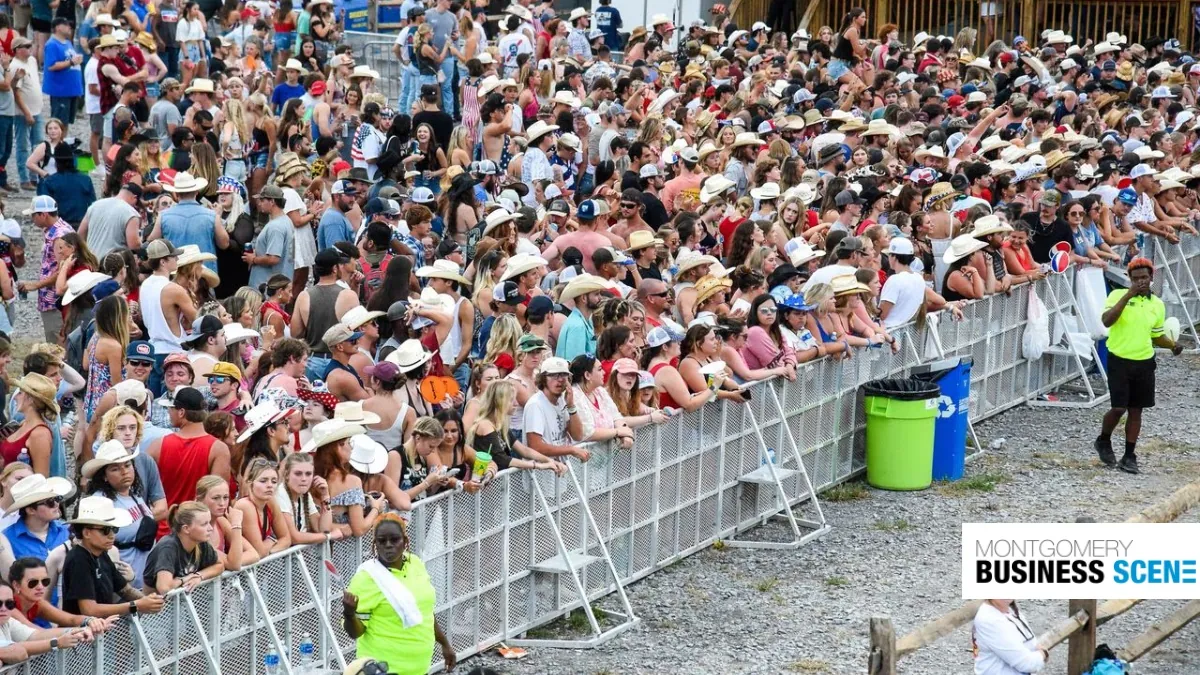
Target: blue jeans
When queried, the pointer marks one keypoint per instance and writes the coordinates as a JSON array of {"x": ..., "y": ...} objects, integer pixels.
[
  {"x": 449, "y": 67},
  {"x": 6, "y": 144},
  {"x": 62, "y": 108},
  {"x": 28, "y": 135},
  {"x": 172, "y": 62},
  {"x": 408, "y": 88}
]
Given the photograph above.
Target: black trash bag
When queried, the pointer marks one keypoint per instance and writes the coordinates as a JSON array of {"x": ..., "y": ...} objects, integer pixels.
[{"x": 902, "y": 389}]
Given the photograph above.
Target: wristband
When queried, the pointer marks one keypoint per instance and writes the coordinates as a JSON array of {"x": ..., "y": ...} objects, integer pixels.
[
  {"x": 133, "y": 610},
  {"x": 572, "y": 411},
  {"x": 54, "y": 644}
]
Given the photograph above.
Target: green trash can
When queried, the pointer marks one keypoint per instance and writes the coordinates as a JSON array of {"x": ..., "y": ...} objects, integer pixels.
[{"x": 900, "y": 420}]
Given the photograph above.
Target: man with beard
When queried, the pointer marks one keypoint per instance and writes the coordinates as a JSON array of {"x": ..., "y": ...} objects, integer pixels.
[
  {"x": 552, "y": 425},
  {"x": 578, "y": 335}
]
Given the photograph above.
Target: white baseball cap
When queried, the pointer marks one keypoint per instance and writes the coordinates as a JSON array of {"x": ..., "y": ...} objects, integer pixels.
[{"x": 1141, "y": 170}]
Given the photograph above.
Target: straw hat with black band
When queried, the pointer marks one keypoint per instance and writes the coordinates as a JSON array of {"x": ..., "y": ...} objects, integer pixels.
[{"x": 36, "y": 488}]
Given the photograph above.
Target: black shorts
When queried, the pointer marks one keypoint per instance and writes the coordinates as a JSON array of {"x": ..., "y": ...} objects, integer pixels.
[
  {"x": 40, "y": 25},
  {"x": 1131, "y": 383}
]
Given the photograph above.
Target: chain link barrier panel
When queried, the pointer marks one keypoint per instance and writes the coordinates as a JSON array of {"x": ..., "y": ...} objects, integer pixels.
[{"x": 490, "y": 555}]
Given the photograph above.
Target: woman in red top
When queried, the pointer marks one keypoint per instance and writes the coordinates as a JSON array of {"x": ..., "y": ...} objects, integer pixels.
[
  {"x": 266, "y": 527},
  {"x": 73, "y": 256},
  {"x": 31, "y": 443},
  {"x": 1017, "y": 256},
  {"x": 277, "y": 293},
  {"x": 660, "y": 357},
  {"x": 549, "y": 31}
]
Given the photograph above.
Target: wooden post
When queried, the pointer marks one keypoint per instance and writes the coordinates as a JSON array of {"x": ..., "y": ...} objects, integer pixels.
[
  {"x": 882, "y": 660},
  {"x": 882, "y": 13},
  {"x": 1185, "y": 23},
  {"x": 1029, "y": 20},
  {"x": 1081, "y": 648}
]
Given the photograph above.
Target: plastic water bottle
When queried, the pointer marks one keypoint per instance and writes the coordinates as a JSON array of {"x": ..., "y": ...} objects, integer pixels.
[
  {"x": 770, "y": 458},
  {"x": 271, "y": 663},
  {"x": 307, "y": 655}
]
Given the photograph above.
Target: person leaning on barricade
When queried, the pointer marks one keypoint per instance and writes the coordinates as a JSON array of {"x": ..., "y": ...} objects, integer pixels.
[{"x": 92, "y": 585}]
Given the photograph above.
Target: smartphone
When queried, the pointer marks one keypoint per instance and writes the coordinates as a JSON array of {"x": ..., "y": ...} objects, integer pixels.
[
  {"x": 375, "y": 495},
  {"x": 453, "y": 472}
]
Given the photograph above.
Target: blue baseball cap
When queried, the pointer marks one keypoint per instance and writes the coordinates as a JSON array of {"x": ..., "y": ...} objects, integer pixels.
[
  {"x": 1128, "y": 197},
  {"x": 140, "y": 350},
  {"x": 591, "y": 208}
]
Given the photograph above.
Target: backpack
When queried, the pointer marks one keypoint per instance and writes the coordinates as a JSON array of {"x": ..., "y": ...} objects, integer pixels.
[
  {"x": 77, "y": 343},
  {"x": 1107, "y": 663}
]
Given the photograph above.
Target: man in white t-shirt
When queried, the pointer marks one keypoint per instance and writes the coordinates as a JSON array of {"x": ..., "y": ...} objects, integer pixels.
[
  {"x": 849, "y": 256},
  {"x": 403, "y": 50},
  {"x": 551, "y": 423},
  {"x": 904, "y": 291},
  {"x": 91, "y": 105},
  {"x": 512, "y": 45}
]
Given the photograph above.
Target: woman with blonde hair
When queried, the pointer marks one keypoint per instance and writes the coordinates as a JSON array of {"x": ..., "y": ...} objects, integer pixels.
[
  {"x": 301, "y": 498},
  {"x": 185, "y": 558},
  {"x": 269, "y": 532},
  {"x": 204, "y": 165},
  {"x": 822, "y": 322},
  {"x": 490, "y": 433},
  {"x": 422, "y": 471},
  {"x": 151, "y": 159},
  {"x": 232, "y": 547},
  {"x": 235, "y": 135},
  {"x": 427, "y": 58},
  {"x": 126, "y": 425},
  {"x": 460, "y": 148},
  {"x": 105, "y": 352}
]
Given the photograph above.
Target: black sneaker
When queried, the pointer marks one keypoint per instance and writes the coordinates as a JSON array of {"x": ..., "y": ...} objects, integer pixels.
[
  {"x": 1128, "y": 464},
  {"x": 1104, "y": 448}
]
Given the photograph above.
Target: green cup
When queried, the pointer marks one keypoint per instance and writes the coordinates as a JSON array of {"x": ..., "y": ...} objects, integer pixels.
[{"x": 482, "y": 460}]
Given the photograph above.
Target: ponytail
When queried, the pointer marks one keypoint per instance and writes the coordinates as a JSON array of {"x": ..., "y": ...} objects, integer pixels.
[{"x": 183, "y": 514}]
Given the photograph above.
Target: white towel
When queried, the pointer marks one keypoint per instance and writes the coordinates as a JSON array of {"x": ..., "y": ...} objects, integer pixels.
[{"x": 397, "y": 595}]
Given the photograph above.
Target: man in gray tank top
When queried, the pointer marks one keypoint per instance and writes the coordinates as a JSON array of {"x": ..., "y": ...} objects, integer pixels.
[{"x": 320, "y": 306}]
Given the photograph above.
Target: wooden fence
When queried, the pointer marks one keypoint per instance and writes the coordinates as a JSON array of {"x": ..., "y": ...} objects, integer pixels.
[
  {"x": 1078, "y": 629},
  {"x": 1083, "y": 19}
]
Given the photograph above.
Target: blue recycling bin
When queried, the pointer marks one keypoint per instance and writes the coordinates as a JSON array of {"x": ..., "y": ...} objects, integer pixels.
[{"x": 953, "y": 376}]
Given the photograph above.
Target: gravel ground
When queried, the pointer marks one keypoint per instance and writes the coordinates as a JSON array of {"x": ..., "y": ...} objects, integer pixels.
[{"x": 897, "y": 555}]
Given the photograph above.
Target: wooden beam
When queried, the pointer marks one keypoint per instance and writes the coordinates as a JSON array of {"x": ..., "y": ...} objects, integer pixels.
[
  {"x": 882, "y": 660},
  {"x": 1172, "y": 507},
  {"x": 1112, "y": 609},
  {"x": 932, "y": 631},
  {"x": 1081, "y": 648},
  {"x": 808, "y": 14},
  {"x": 1161, "y": 630},
  {"x": 1055, "y": 636}
]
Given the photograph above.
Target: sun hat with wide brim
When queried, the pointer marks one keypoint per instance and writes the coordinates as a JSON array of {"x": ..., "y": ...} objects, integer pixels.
[
  {"x": 41, "y": 388},
  {"x": 521, "y": 263},
  {"x": 186, "y": 182},
  {"x": 583, "y": 284},
  {"x": 368, "y": 455},
  {"x": 847, "y": 284},
  {"x": 988, "y": 225},
  {"x": 352, "y": 412},
  {"x": 331, "y": 431},
  {"x": 939, "y": 193},
  {"x": 692, "y": 259},
  {"x": 35, "y": 488},
  {"x": 82, "y": 282},
  {"x": 962, "y": 246},
  {"x": 191, "y": 253},
  {"x": 99, "y": 511},
  {"x": 409, "y": 355},
  {"x": 109, "y": 452}
]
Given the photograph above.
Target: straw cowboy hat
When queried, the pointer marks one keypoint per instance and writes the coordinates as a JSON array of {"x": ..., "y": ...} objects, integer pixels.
[
  {"x": 852, "y": 126},
  {"x": 707, "y": 148},
  {"x": 539, "y": 129},
  {"x": 368, "y": 455},
  {"x": 521, "y": 263},
  {"x": 35, "y": 488},
  {"x": 186, "y": 182},
  {"x": 709, "y": 286},
  {"x": 99, "y": 511},
  {"x": 1056, "y": 157},
  {"x": 766, "y": 192},
  {"x": 936, "y": 151},
  {"x": 879, "y": 127},
  {"x": 993, "y": 142},
  {"x": 191, "y": 253},
  {"x": 80, "y": 283},
  {"x": 442, "y": 269},
  {"x": 267, "y": 412},
  {"x": 939, "y": 192},
  {"x": 331, "y": 431},
  {"x": 847, "y": 284},
  {"x": 988, "y": 225},
  {"x": 962, "y": 246},
  {"x": 640, "y": 240},
  {"x": 409, "y": 356},
  {"x": 748, "y": 138},
  {"x": 692, "y": 259},
  {"x": 201, "y": 85},
  {"x": 583, "y": 284},
  {"x": 352, "y": 412},
  {"x": 715, "y": 186},
  {"x": 109, "y": 452},
  {"x": 1014, "y": 153}
]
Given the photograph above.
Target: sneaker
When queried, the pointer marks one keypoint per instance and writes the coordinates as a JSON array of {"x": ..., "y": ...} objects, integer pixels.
[
  {"x": 1128, "y": 464},
  {"x": 1104, "y": 448},
  {"x": 29, "y": 187}
]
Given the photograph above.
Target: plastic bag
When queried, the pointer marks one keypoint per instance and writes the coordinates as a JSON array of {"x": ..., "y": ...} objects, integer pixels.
[
  {"x": 1089, "y": 300},
  {"x": 1036, "y": 339}
]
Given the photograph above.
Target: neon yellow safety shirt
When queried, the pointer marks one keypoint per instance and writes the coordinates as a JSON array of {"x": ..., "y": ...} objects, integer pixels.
[
  {"x": 1140, "y": 322},
  {"x": 408, "y": 651}
]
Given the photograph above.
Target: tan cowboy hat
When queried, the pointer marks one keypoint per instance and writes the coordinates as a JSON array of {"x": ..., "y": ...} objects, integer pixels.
[
  {"x": 935, "y": 151},
  {"x": 109, "y": 452},
  {"x": 640, "y": 240},
  {"x": 1056, "y": 157},
  {"x": 352, "y": 412},
  {"x": 521, "y": 263},
  {"x": 539, "y": 129},
  {"x": 35, "y": 488},
  {"x": 330, "y": 431},
  {"x": 692, "y": 259},
  {"x": 988, "y": 225},
  {"x": 191, "y": 253},
  {"x": 200, "y": 85},
  {"x": 583, "y": 284},
  {"x": 186, "y": 182},
  {"x": 707, "y": 147},
  {"x": 852, "y": 126},
  {"x": 962, "y": 246},
  {"x": 99, "y": 511},
  {"x": 847, "y": 284},
  {"x": 409, "y": 356},
  {"x": 107, "y": 41},
  {"x": 356, "y": 316},
  {"x": 993, "y": 142},
  {"x": 939, "y": 192},
  {"x": 747, "y": 138},
  {"x": 878, "y": 127},
  {"x": 709, "y": 286},
  {"x": 442, "y": 269}
]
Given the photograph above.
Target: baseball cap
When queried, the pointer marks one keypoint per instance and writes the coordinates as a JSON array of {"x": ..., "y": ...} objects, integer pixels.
[
  {"x": 161, "y": 248},
  {"x": 328, "y": 258},
  {"x": 343, "y": 187},
  {"x": 1140, "y": 170},
  {"x": 539, "y": 305},
  {"x": 422, "y": 195},
  {"x": 186, "y": 398},
  {"x": 560, "y": 206},
  {"x": 339, "y": 333},
  {"x": 485, "y": 167},
  {"x": 648, "y": 171},
  {"x": 555, "y": 366},
  {"x": 1128, "y": 197},
  {"x": 588, "y": 210},
  {"x": 508, "y": 293},
  {"x": 660, "y": 335},
  {"x": 900, "y": 246},
  {"x": 42, "y": 204},
  {"x": 140, "y": 350},
  {"x": 203, "y": 327},
  {"x": 397, "y": 310},
  {"x": 225, "y": 369},
  {"x": 270, "y": 192},
  {"x": 847, "y": 197},
  {"x": 530, "y": 343},
  {"x": 1051, "y": 198},
  {"x": 317, "y": 88}
]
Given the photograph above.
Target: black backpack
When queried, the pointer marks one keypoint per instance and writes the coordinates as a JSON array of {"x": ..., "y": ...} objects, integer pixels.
[{"x": 77, "y": 341}]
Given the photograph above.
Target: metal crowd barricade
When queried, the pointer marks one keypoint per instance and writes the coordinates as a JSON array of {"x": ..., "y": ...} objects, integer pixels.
[{"x": 530, "y": 548}]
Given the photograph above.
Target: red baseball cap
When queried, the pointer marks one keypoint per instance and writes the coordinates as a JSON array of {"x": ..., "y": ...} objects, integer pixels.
[
  {"x": 955, "y": 101},
  {"x": 1007, "y": 58},
  {"x": 317, "y": 88}
]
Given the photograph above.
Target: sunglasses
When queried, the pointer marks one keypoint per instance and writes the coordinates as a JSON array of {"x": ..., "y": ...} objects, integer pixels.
[
  {"x": 33, "y": 583},
  {"x": 218, "y": 379},
  {"x": 767, "y": 310},
  {"x": 107, "y": 531},
  {"x": 9, "y": 604},
  {"x": 50, "y": 503},
  {"x": 1076, "y": 213},
  {"x": 664, "y": 294},
  {"x": 626, "y": 205},
  {"x": 143, "y": 364}
]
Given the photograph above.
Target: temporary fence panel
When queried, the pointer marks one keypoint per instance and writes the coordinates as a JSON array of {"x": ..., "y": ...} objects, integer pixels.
[{"x": 496, "y": 558}]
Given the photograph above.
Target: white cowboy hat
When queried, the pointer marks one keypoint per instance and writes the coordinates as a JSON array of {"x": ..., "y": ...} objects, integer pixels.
[
  {"x": 1059, "y": 37},
  {"x": 881, "y": 127},
  {"x": 522, "y": 263},
  {"x": 352, "y": 412},
  {"x": 105, "y": 20},
  {"x": 578, "y": 13},
  {"x": 409, "y": 356},
  {"x": 100, "y": 511},
  {"x": 539, "y": 129},
  {"x": 191, "y": 253},
  {"x": 747, "y": 138},
  {"x": 496, "y": 219},
  {"x": 962, "y": 246},
  {"x": 442, "y": 269},
  {"x": 993, "y": 142},
  {"x": 81, "y": 283},
  {"x": 714, "y": 186},
  {"x": 201, "y": 85},
  {"x": 664, "y": 97},
  {"x": 658, "y": 20},
  {"x": 357, "y": 316},
  {"x": 364, "y": 71},
  {"x": 267, "y": 412},
  {"x": 988, "y": 225},
  {"x": 186, "y": 182},
  {"x": 767, "y": 191},
  {"x": 294, "y": 64},
  {"x": 566, "y": 98},
  {"x": 35, "y": 488},
  {"x": 935, "y": 151},
  {"x": 109, "y": 452},
  {"x": 804, "y": 253},
  {"x": 692, "y": 259},
  {"x": 735, "y": 36},
  {"x": 519, "y": 11},
  {"x": 368, "y": 455},
  {"x": 438, "y": 302},
  {"x": 236, "y": 332},
  {"x": 330, "y": 431},
  {"x": 803, "y": 191}
]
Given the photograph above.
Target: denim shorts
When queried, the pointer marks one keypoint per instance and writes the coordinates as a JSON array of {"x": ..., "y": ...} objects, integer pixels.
[
  {"x": 838, "y": 68},
  {"x": 284, "y": 41}
]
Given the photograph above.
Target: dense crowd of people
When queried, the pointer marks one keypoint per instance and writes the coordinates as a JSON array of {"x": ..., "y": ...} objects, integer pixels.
[{"x": 293, "y": 308}]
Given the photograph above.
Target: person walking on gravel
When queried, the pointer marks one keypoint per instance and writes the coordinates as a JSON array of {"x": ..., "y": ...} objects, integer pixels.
[{"x": 1134, "y": 319}]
